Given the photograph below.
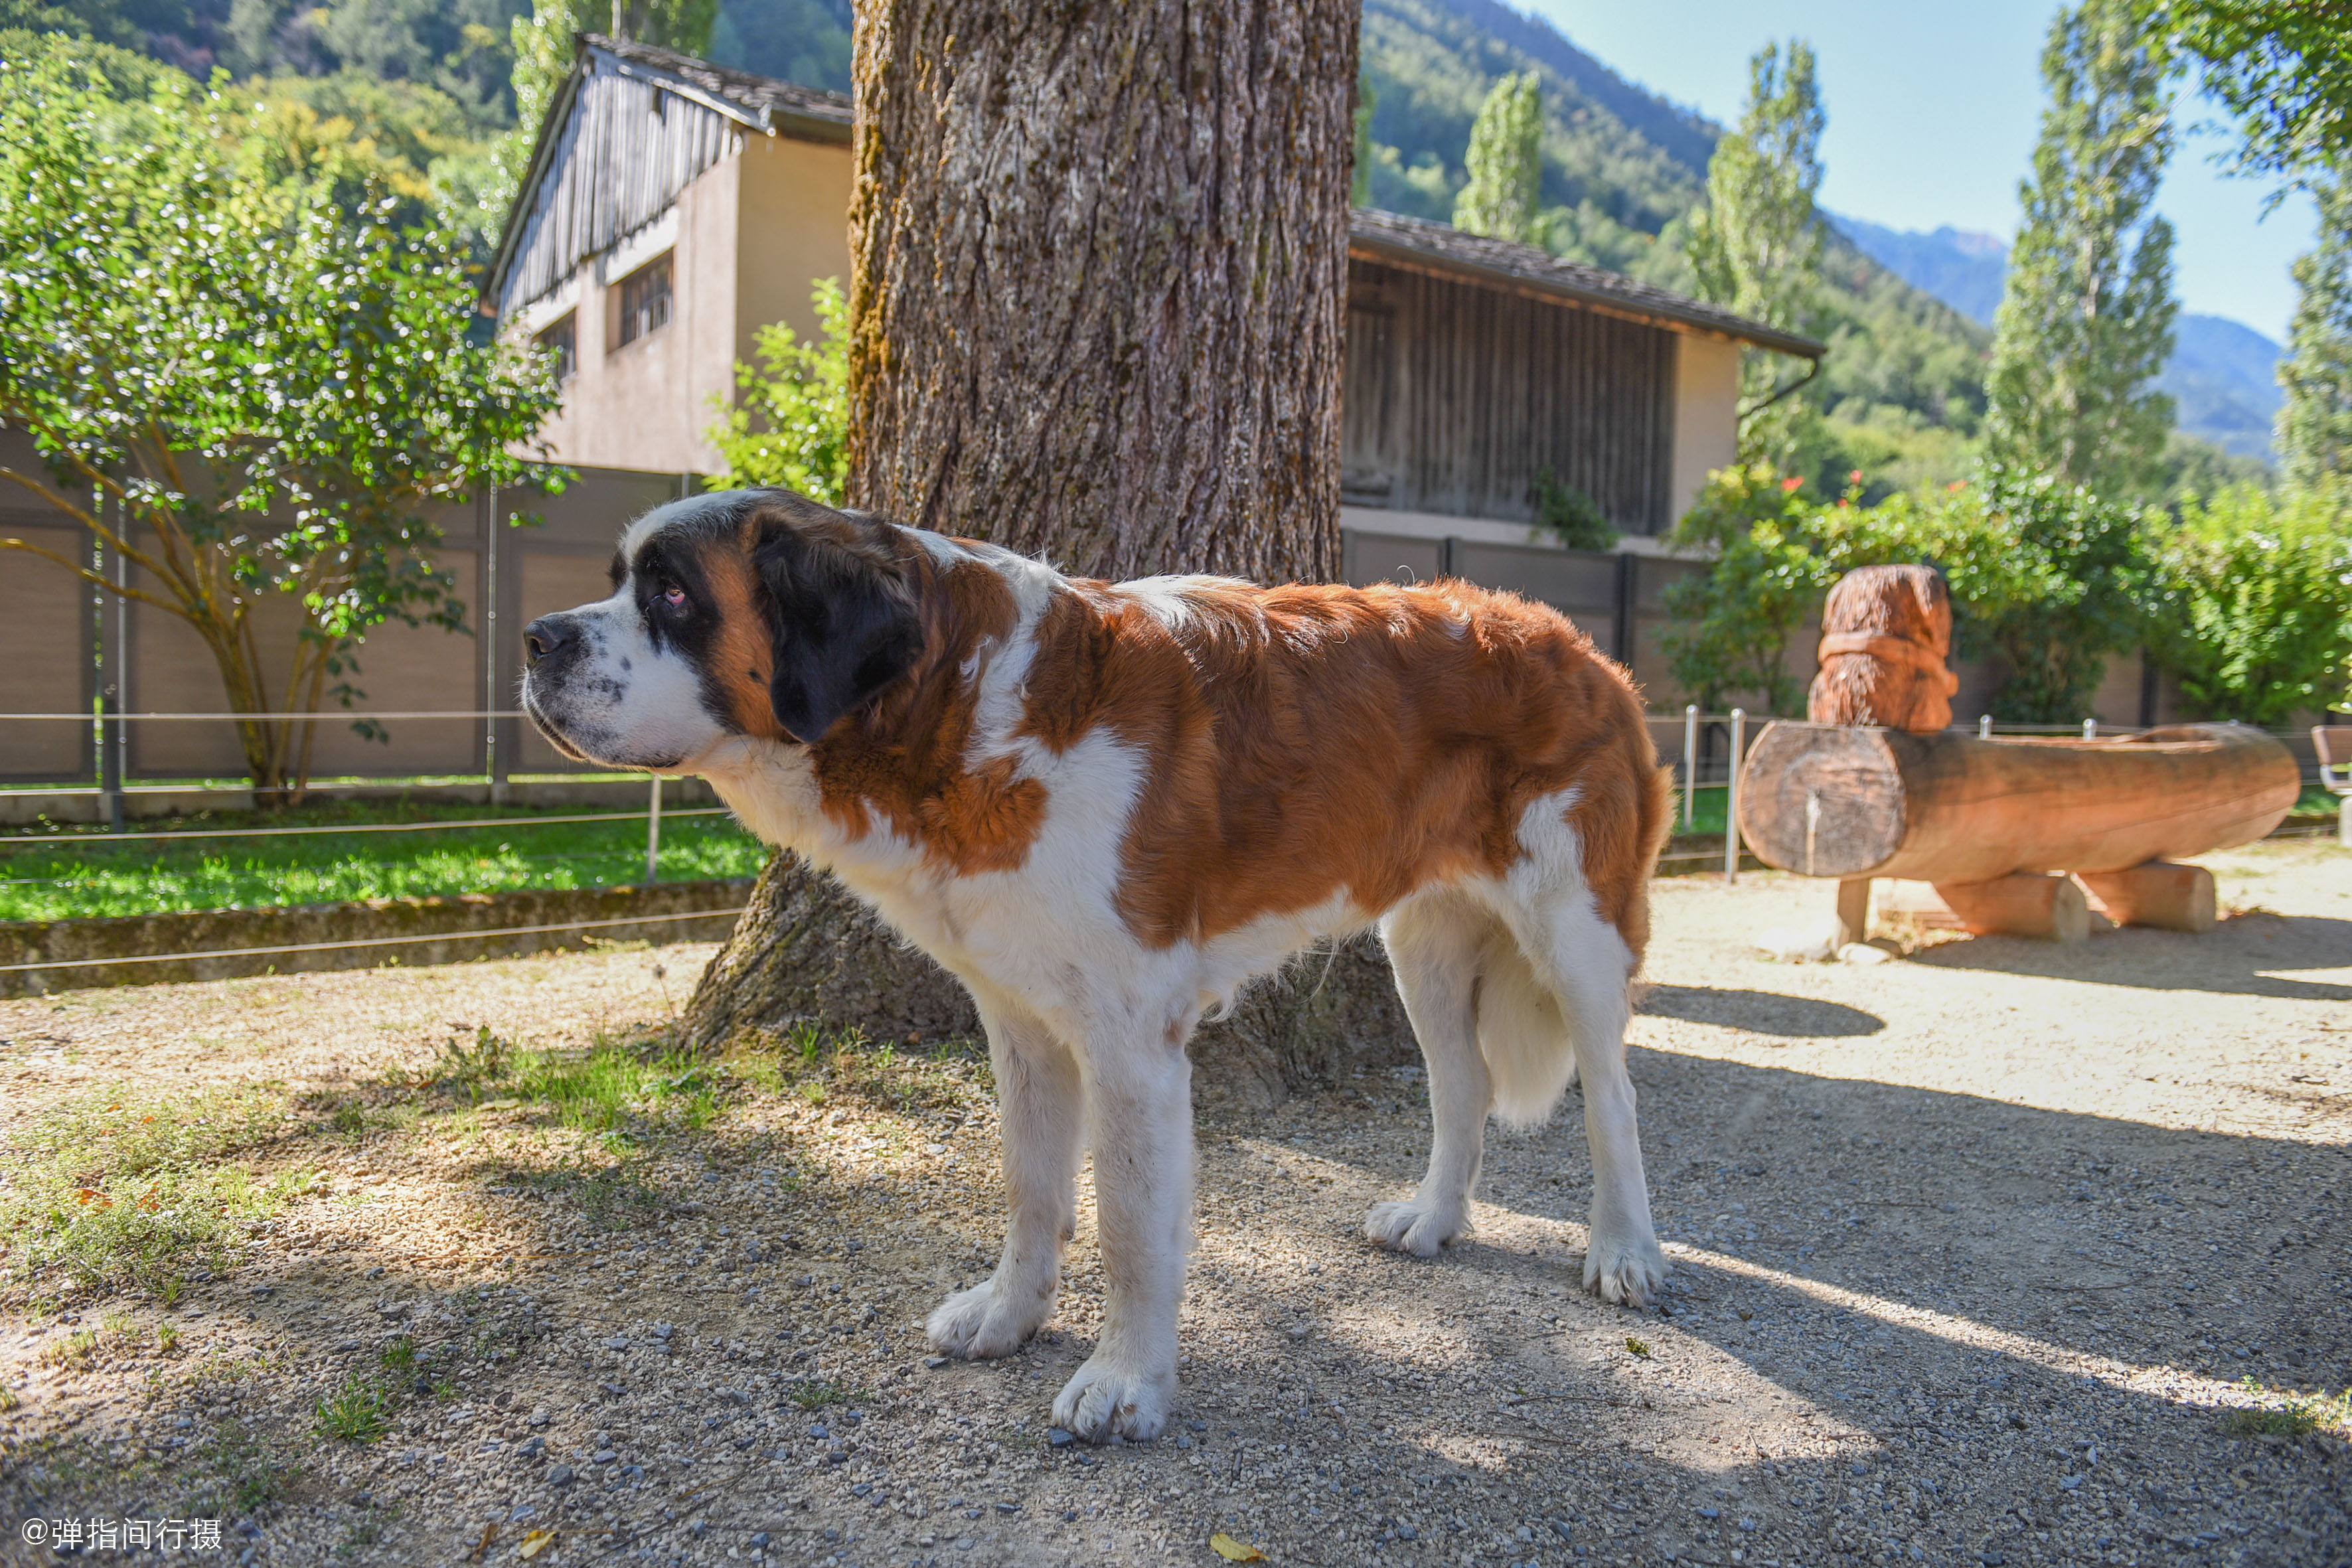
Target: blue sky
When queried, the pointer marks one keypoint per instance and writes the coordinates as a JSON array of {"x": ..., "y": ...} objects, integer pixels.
[{"x": 1933, "y": 109}]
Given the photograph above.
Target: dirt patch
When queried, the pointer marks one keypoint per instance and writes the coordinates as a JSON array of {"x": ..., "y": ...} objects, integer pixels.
[{"x": 1975, "y": 1256}]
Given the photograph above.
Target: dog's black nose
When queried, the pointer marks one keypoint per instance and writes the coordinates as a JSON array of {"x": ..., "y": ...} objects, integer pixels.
[{"x": 545, "y": 636}]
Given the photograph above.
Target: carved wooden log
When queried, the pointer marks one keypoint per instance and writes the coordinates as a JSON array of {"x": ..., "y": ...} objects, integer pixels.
[
  {"x": 1886, "y": 633},
  {"x": 2176, "y": 898},
  {"x": 1831, "y": 800},
  {"x": 2024, "y": 903}
]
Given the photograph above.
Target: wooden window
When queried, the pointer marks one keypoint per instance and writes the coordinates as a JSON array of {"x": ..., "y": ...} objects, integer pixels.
[
  {"x": 644, "y": 301},
  {"x": 562, "y": 340}
]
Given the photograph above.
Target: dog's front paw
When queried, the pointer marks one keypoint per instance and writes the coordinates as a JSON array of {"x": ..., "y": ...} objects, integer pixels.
[
  {"x": 1108, "y": 1398},
  {"x": 1624, "y": 1271},
  {"x": 987, "y": 1320},
  {"x": 1414, "y": 1226}
]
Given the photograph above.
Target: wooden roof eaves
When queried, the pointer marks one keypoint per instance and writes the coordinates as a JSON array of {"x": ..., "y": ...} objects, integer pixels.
[
  {"x": 510, "y": 233},
  {"x": 1411, "y": 260}
]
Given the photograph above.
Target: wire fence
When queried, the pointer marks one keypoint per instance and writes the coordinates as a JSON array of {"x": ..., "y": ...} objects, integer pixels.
[{"x": 1704, "y": 750}]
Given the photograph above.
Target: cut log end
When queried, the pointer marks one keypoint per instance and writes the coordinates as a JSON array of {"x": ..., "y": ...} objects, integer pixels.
[
  {"x": 2050, "y": 908},
  {"x": 2161, "y": 894}
]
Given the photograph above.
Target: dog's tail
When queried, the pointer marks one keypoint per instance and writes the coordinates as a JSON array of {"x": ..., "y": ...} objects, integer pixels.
[
  {"x": 1523, "y": 1033},
  {"x": 1575, "y": 991}
]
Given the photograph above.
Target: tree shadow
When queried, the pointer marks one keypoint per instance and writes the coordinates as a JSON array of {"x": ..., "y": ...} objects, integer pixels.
[
  {"x": 2236, "y": 958},
  {"x": 1986, "y": 1297},
  {"x": 1760, "y": 1012}
]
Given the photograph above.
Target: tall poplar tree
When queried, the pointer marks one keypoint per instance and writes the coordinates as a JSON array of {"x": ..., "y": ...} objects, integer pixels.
[
  {"x": 1504, "y": 164},
  {"x": 2085, "y": 324},
  {"x": 2315, "y": 421},
  {"x": 1757, "y": 244}
]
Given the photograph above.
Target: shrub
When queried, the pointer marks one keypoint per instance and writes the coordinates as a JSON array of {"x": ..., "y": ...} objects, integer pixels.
[
  {"x": 2253, "y": 604},
  {"x": 1572, "y": 517},
  {"x": 791, "y": 426},
  {"x": 2047, "y": 578}
]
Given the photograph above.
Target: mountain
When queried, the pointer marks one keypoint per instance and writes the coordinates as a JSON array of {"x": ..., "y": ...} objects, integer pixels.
[
  {"x": 1962, "y": 267},
  {"x": 2223, "y": 375},
  {"x": 1623, "y": 169}
]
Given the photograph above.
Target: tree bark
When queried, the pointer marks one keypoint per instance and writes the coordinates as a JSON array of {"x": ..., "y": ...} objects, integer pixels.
[
  {"x": 1097, "y": 311},
  {"x": 1099, "y": 277}
]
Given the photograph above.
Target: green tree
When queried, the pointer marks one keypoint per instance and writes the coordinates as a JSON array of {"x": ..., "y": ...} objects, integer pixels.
[
  {"x": 1504, "y": 164},
  {"x": 254, "y": 396},
  {"x": 1359, "y": 181},
  {"x": 2087, "y": 320},
  {"x": 542, "y": 41},
  {"x": 2253, "y": 604},
  {"x": 791, "y": 424},
  {"x": 2046, "y": 579},
  {"x": 2314, "y": 418},
  {"x": 1730, "y": 628},
  {"x": 2283, "y": 67},
  {"x": 2066, "y": 578},
  {"x": 1757, "y": 244}
]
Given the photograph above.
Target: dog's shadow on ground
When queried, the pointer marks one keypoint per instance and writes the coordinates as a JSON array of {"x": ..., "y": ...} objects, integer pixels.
[{"x": 1760, "y": 1012}]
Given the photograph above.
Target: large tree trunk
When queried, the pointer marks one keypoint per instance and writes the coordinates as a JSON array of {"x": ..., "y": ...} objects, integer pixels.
[
  {"x": 1101, "y": 265},
  {"x": 1098, "y": 306}
]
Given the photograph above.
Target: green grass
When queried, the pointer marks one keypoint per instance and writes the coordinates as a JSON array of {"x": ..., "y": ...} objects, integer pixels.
[
  {"x": 75, "y": 872},
  {"x": 816, "y": 1394},
  {"x": 2317, "y": 802},
  {"x": 2294, "y": 1415},
  {"x": 355, "y": 1412},
  {"x": 110, "y": 1188},
  {"x": 1710, "y": 805}
]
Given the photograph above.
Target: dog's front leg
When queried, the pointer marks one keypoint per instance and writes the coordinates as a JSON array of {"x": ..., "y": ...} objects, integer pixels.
[
  {"x": 1139, "y": 1106},
  {"x": 1043, "y": 1101}
]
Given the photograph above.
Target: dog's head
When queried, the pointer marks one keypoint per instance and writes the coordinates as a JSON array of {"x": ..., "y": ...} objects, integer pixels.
[{"x": 752, "y": 612}]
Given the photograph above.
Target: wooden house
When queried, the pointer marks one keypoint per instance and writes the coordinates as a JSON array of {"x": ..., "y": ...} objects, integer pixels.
[{"x": 672, "y": 207}]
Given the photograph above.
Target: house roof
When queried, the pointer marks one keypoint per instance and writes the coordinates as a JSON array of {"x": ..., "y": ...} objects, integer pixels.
[
  {"x": 759, "y": 102},
  {"x": 609, "y": 159},
  {"x": 769, "y": 107},
  {"x": 1439, "y": 248}
]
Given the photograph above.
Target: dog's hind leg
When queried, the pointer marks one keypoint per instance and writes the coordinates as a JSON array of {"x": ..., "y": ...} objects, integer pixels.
[
  {"x": 1043, "y": 1109},
  {"x": 1586, "y": 964},
  {"x": 1434, "y": 943}
]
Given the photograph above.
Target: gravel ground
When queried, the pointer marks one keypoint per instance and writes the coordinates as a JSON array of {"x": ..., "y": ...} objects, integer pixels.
[{"x": 1973, "y": 1254}]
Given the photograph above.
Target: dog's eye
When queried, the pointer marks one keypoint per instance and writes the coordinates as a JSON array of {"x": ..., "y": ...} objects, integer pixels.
[{"x": 673, "y": 595}]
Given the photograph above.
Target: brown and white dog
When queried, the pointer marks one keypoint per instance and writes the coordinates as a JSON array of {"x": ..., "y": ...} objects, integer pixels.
[{"x": 1105, "y": 806}]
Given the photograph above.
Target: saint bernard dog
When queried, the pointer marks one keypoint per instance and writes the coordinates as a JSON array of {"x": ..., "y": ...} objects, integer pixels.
[{"x": 1105, "y": 806}]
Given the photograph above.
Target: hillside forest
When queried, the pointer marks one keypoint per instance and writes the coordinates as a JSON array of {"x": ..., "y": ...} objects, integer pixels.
[{"x": 423, "y": 95}]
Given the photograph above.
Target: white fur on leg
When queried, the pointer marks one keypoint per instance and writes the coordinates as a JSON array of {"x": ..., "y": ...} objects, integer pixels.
[
  {"x": 1139, "y": 1107},
  {"x": 1433, "y": 945},
  {"x": 1583, "y": 961},
  {"x": 1044, "y": 1105},
  {"x": 1420, "y": 1225},
  {"x": 992, "y": 1318}
]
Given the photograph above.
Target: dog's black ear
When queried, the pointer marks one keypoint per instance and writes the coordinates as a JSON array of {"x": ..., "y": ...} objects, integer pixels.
[{"x": 840, "y": 618}]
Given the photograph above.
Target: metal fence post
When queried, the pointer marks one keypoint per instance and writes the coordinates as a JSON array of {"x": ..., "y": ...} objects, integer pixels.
[
  {"x": 110, "y": 758},
  {"x": 2090, "y": 729},
  {"x": 1731, "y": 800},
  {"x": 1984, "y": 727},
  {"x": 653, "y": 834},
  {"x": 1690, "y": 764}
]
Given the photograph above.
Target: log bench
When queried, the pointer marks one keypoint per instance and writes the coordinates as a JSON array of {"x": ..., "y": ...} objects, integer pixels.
[{"x": 2016, "y": 836}]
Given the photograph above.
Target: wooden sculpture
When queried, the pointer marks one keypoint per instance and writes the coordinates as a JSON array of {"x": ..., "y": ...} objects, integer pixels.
[
  {"x": 1885, "y": 634},
  {"x": 1985, "y": 820},
  {"x": 2012, "y": 833}
]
